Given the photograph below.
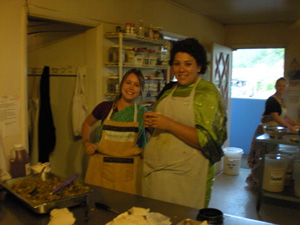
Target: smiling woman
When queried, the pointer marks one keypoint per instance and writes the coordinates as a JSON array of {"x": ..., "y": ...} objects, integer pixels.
[
  {"x": 115, "y": 161},
  {"x": 189, "y": 123}
]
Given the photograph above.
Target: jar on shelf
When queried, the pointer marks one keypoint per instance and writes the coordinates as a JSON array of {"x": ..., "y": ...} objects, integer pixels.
[
  {"x": 128, "y": 28},
  {"x": 150, "y": 32},
  {"x": 146, "y": 57},
  {"x": 113, "y": 84},
  {"x": 132, "y": 29},
  {"x": 118, "y": 29},
  {"x": 157, "y": 35},
  {"x": 152, "y": 58},
  {"x": 147, "y": 91},
  {"x": 162, "y": 58},
  {"x": 140, "y": 29},
  {"x": 129, "y": 54},
  {"x": 113, "y": 54},
  {"x": 139, "y": 56}
]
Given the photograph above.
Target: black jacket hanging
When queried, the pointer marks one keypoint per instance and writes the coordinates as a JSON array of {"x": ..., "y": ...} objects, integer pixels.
[{"x": 46, "y": 135}]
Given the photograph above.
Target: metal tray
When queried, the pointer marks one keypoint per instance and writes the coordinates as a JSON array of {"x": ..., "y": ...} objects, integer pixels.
[
  {"x": 190, "y": 222},
  {"x": 46, "y": 206}
]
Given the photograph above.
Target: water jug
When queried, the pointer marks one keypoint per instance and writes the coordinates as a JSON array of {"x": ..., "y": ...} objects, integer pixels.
[{"x": 19, "y": 162}]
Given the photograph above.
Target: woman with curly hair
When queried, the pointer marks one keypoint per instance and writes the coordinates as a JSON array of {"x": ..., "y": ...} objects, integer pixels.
[{"x": 189, "y": 128}]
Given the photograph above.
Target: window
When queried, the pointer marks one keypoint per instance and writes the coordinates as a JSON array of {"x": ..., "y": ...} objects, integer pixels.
[{"x": 255, "y": 71}]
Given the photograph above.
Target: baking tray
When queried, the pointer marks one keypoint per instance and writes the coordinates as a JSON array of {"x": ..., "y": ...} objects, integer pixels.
[{"x": 45, "y": 207}]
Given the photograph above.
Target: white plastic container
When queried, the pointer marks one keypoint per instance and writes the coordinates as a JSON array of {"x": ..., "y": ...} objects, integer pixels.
[
  {"x": 275, "y": 172},
  {"x": 232, "y": 160}
]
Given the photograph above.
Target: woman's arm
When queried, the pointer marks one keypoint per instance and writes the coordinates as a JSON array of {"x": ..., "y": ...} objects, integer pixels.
[
  {"x": 291, "y": 121},
  {"x": 89, "y": 147},
  {"x": 282, "y": 122}
]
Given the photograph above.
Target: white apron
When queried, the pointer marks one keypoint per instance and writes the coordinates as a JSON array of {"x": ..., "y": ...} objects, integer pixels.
[
  {"x": 33, "y": 114},
  {"x": 117, "y": 163},
  {"x": 79, "y": 107},
  {"x": 174, "y": 171}
]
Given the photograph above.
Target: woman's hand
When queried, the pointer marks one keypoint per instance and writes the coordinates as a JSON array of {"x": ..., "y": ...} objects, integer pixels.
[
  {"x": 185, "y": 133},
  {"x": 294, "y": 129},
  {"x": 90, "y": 148},
  {"x": 157, "y": 120}
]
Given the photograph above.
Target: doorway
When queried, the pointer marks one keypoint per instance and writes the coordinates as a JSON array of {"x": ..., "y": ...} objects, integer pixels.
[
  {"x": 63, "y": 47},
  {"x": 254, "y": 73}
]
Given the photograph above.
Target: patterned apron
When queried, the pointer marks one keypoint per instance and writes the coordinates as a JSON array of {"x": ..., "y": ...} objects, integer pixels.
[
  {"x": 174, "y": 171},
  {"x": 117, "y": 163}
]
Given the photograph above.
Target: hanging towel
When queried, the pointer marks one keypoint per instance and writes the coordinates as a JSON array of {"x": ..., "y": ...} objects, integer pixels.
[
  {"x": 79, "y": 107},
  {"x": 46, "y": 138},
  {"x": 33, "y": 117}
]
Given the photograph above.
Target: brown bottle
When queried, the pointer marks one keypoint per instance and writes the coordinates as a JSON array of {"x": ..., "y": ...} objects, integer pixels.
[{"x": 19, "y": 162}]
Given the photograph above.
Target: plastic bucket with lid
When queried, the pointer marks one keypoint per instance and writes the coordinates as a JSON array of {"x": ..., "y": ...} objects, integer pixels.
[
  {"x": 232, "y": 160},
  {"x": 275, "y": 172}
]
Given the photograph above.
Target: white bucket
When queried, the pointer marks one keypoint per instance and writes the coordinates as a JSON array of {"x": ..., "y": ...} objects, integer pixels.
[
  {"x": 232, "y": 160},
  {"x": 274, "y": 172},
  {"x": 296, "y": 176}
]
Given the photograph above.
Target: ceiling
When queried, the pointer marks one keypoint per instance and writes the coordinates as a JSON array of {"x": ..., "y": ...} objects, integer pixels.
[{"x": 234, "y": 12}]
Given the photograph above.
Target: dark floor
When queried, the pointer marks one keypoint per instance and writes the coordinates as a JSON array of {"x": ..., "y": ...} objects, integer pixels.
[{"x": 232, "y": 196}]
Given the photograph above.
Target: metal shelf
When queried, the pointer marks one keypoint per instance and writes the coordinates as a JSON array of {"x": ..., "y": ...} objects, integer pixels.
[
  {"x": 288, "y": 193},
  {"x": 137, "y": 39},
  {"x": 131, "y": 65}
]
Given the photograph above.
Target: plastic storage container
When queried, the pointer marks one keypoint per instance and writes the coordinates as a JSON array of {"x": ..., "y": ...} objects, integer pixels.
[
  {"x": 232, "y": 160},
  {"x": 275, "y": 169},
  {"x": 292, "y": 152},
  {"x": 113, "y": 54},
  {"x": 113, "y": 84},
  {"x": 19, "y": 162}
]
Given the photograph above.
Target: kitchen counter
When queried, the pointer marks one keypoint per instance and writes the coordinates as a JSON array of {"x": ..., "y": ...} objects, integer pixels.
[{"x": 14, "y": 213}]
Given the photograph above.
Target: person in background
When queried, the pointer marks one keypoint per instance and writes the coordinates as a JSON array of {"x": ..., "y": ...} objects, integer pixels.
[
  {"x": 116, "y": 161},
  {"x": 189, "y": 122},
  {"x": 275, "y": 114}
]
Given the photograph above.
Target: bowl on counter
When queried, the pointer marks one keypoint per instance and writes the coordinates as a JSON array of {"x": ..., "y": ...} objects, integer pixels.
[{"x": 275, "y": 131}]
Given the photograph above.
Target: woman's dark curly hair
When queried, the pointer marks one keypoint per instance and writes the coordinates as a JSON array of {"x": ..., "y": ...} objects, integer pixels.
[{"x": 192, "y": 47}]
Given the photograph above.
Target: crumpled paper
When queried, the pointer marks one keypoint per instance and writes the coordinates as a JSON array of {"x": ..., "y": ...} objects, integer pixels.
[
  {"x": 4, "y": 175},
  {"x": 140, "y": 216},
  {"x": 37, "y": 168},
  {"x": 61, "y": 217}
]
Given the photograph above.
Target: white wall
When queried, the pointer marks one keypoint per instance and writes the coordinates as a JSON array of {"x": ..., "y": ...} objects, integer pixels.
[
  {"x": 13, "y": 60},
  {"x": 85, "y": 48}
]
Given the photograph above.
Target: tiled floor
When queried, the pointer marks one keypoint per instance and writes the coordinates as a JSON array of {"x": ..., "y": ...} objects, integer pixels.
[{"x": 232, "y": 196}]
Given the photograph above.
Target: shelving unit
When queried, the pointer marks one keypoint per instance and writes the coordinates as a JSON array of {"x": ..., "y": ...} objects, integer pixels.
[
  {"x": 122, "y": 40},
  {"x": 288, "y": 193}
]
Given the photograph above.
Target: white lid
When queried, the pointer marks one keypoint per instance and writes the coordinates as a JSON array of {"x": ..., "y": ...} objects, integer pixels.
[{"x": 232, "y": 151}]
